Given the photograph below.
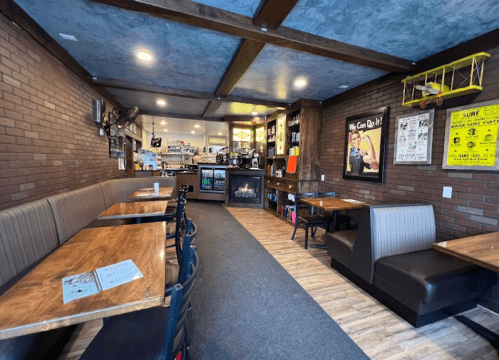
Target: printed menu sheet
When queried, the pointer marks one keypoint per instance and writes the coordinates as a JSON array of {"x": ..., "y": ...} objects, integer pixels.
[
  {"x": 82, "y": 285},
  {"x": 412, "y": 138}
]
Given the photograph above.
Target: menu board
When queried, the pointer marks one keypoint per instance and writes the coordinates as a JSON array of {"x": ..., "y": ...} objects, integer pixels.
[
  {"x": 471, "y": 137},
  {"x": 413, "y": 138}
]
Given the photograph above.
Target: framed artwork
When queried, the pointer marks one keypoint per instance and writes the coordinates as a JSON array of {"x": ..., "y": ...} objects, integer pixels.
[
  {"x": 365, "y": 142},
  {"x": 470, "y": 141},
  {"x": 413, "y": 138}
]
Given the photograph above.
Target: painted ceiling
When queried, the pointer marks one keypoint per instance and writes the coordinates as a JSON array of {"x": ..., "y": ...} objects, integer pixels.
[{"x": 190, "y": 58}]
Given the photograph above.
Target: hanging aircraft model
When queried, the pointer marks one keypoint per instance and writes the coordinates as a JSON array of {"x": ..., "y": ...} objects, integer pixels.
[{"x": 461, "y": 77}]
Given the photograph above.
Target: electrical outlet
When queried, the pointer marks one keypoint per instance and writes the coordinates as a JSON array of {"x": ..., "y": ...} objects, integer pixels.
[
  {"x": 447, "y": 193},
  {"x": 322, "y": 177}
]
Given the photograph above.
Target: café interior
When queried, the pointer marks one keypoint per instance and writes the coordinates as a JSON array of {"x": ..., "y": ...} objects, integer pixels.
[{"x": 249, "y": 179}]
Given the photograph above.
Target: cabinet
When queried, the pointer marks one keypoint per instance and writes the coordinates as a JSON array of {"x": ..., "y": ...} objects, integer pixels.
[{"x": 292, "y": 135}]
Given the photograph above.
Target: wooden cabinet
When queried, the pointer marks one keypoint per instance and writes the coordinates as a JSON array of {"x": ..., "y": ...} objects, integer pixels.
[{"x": 301, "y": 135}]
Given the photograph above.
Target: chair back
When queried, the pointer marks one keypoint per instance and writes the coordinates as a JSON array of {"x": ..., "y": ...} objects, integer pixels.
[
  {"x": 299, "y": 206},
  {"x": 174, "y": 340},
  {"x": 179, "y": 216},
  {"x": 325, "y": 194}
]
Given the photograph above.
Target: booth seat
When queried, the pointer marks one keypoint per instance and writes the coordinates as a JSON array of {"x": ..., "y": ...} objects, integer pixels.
[
  {"x": 390, "y": 255},
  {"x": 31, "y": 232}
]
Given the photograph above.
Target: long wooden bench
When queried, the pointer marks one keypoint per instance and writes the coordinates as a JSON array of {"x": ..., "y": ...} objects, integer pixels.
[
  {"x": 390, "y": 256},
  {"x": 30, "y": 232}
]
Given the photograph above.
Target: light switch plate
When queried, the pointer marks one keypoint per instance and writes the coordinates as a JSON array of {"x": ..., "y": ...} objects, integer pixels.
[
  {"x": 447, "y": 193},
  {"x": 322, "y": 177}
]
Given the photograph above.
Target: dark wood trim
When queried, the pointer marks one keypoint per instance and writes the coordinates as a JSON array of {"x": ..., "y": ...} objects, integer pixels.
[
  {"x": 192, "y": 13},
  {"x": 178, "y": 116},
  {"x": 191, "y": 94},
  {"x": 245, "y": 55},
  {"x": 17, "y": 15},
  {"x": 212, "y": 108},
  {"x": 271, "y": 13}
]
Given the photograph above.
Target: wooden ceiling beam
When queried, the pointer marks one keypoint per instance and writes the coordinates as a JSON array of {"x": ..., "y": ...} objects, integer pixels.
[
  {"x": 190, "y": 94},
  {"x": 179, "y": 116},
  {"x": 271, "y": 13},
  {"x": 212, "y": 108},
  {"x": 207, "y": 17},
  {"x": 17, "y": 15}
]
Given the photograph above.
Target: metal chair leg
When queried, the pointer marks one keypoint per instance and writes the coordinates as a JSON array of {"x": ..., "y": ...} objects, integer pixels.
[
  {"x": 306, "y": 236},
  {"x": 294, "y": 231}
]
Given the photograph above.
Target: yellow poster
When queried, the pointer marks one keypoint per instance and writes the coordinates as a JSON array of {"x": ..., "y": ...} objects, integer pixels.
[{"x": 473, "y": 136}]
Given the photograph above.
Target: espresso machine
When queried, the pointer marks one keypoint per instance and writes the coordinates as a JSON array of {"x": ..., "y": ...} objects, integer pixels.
[{"x": 245, "y": 156}]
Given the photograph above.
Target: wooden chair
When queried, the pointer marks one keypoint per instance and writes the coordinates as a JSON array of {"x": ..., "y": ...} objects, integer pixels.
[
  {"x": 156, "y": 333},
  {"x": 311, "y": 220}
]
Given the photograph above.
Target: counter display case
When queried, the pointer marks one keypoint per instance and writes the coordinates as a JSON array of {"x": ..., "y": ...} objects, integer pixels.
[{"x": 212, "y": 178}]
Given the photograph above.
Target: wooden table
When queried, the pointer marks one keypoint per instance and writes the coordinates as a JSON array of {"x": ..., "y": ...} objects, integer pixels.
[
  {"x": 331, "y": 204},
  {"x": 482, "y": 250},
  {"x": 148, "y": 193},
  {"x": 136, "y": 209},
  {"x": 35, "y": 303}
]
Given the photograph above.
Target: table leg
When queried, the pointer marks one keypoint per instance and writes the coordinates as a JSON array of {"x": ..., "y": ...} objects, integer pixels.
[{"x": 490, "y": 336}]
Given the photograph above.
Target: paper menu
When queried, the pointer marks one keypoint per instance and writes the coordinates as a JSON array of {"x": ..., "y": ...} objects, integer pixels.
[
  {"x": 352, "y": 201},
  {"x": 81, "y": 285}
]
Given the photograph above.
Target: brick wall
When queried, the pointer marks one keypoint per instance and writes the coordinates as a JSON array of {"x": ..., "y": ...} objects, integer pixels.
[
  {"x": 48, "y": 141},
  {"x": 473, "y": 208}
]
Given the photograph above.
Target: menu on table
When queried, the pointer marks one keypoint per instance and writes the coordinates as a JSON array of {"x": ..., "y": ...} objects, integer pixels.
[{"x": 89, "y": 283}]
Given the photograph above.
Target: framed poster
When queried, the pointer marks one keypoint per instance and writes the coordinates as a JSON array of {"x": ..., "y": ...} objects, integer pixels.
[
  {"x": 365, "y": 141},
  {"x": 471, "y": 137},
  {"x": 413, "y": 138}
]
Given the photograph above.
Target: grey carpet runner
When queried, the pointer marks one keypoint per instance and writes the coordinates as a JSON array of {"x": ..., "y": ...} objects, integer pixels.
[{"x": 246, "y": 306}]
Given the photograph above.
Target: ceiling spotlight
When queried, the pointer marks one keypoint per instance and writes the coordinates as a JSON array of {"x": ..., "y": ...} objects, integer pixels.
[
  {"x": 344, "y": 86},
  {"x": 219, "y": 133},
  {"x": 196, "y": 126},
  {"x": 166, "y": 130},
  {"x": 300, "y": 83},
  {"x": 144, "y": 56},
  {"x": 254, "y": 113},
  {"x": 163, "y": 122},
  {"x": 193, "y": 132},
  {"x": 161, "y": 102}
]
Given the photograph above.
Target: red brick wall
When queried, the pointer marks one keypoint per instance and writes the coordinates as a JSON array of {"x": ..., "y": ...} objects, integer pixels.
[
  {"x": 48, "y": 141},
  {"x": 473, "y": 208}
]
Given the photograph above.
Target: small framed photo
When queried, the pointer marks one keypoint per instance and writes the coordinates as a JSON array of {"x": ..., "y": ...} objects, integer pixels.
[
  {"x": 414, "y": 138},
  {"x": 365, "y": 143}
]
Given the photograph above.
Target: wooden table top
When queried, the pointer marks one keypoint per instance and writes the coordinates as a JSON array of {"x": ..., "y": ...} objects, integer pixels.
[
  {"x": 332, "y": 204},
  {"x": 134, "y": 209},
  {"x": 35, "y": 303},
  {"x": 143, "y": 194},
  {"x": 482, "y": 250}
]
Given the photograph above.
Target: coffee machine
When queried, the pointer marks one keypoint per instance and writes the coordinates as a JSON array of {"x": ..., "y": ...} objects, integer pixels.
[{"x": 245, "y": 156}]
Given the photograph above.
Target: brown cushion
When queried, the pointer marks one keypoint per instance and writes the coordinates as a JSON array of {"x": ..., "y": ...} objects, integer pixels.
[{"x": 347, "y": 237}]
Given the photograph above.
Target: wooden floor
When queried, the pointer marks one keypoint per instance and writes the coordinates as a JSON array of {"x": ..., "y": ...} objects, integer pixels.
[{"x": 378, "y": 331}]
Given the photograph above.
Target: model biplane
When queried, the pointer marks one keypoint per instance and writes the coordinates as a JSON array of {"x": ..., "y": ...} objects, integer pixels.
[{"x": 460, "y": 77}]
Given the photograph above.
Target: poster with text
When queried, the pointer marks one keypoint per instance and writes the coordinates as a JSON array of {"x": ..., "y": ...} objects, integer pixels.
[
  {"x": 471, "y": 137},
  {"x": 413, "y": 138},
  {"x": 365, "y": 145}
]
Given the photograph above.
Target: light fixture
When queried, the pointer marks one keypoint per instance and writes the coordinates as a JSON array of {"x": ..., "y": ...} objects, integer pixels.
[
  {"x": 196, "y": 126},
  {"x": 161, "y": 102},
  {"x": 68, "y": 37},
  {"x": 300, "y": 83},
  {"x": 144, "y": 56},
  {"x": 219, "y": 133},
  {"x": 166, "y": 130},
  {"x": 254, "y": 113},
  {"x": 344, "y": 86},
  {"x": 193, "y": 132},
  {"x": 163, "y": 122}
]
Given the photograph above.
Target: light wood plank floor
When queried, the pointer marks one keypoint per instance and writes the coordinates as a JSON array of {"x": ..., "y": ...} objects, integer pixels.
[{"x": 379, "y": 332}]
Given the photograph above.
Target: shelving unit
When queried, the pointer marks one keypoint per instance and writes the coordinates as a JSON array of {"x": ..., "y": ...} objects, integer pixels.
[{"x": 302, "y": 139}]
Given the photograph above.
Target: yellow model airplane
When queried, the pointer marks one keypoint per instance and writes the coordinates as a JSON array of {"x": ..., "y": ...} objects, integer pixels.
[{"x": 438, "y": 84}]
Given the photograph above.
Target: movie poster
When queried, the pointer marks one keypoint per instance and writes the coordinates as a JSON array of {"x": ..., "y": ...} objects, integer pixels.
[{"x": 364, "y": 149}]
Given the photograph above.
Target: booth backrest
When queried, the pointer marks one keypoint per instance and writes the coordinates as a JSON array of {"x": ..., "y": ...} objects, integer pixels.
[
  {"x": 118, "y": 190},
  {"x": 401, "y": 229},
  {"x": 27, "y": 233},
  {"x": 386, "y": 230},
  {"x": 76, "y": 209}
]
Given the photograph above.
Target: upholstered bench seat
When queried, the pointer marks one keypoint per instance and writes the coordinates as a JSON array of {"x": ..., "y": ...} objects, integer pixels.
[
  {"x": 428, "y": 276},
  {"x": 340, "y": 245}
]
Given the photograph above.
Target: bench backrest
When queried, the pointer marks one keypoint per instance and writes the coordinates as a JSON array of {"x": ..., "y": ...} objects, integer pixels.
[
  {"x": 27, "y": 233},
  {"x": 386, "y": 230},
  {"x": 118, "y": 190},
  {"x": 76, "y": 209}
]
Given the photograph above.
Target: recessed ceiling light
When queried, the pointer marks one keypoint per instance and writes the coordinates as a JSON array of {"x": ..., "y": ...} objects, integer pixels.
[
  {"x": 344, "y": 86},
  {"x": 166, "y": 130},
  {"x": 219, "y": 133},
  {"x": 144, "y": 56},
  {"x": 193, "y": 132},
  {"x": 300, "y": 83},
  {"x": 163, "y": 122},
  {"x": 68, "y": 37},
  {"x": 196, "y": 126},
  {"x": 161, "y": 102},
  {"x": 254, "y": 113}
]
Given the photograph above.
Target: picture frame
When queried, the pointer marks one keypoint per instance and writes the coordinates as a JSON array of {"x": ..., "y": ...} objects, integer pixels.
[
  {"x": 365, "y": 145},
  {"x": 414, "y": 138},
  {"x": 471, "y": 134}
]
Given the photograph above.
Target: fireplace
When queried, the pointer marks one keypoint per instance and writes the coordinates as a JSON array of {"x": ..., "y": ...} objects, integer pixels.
[{"x": 245, "y": 188}]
